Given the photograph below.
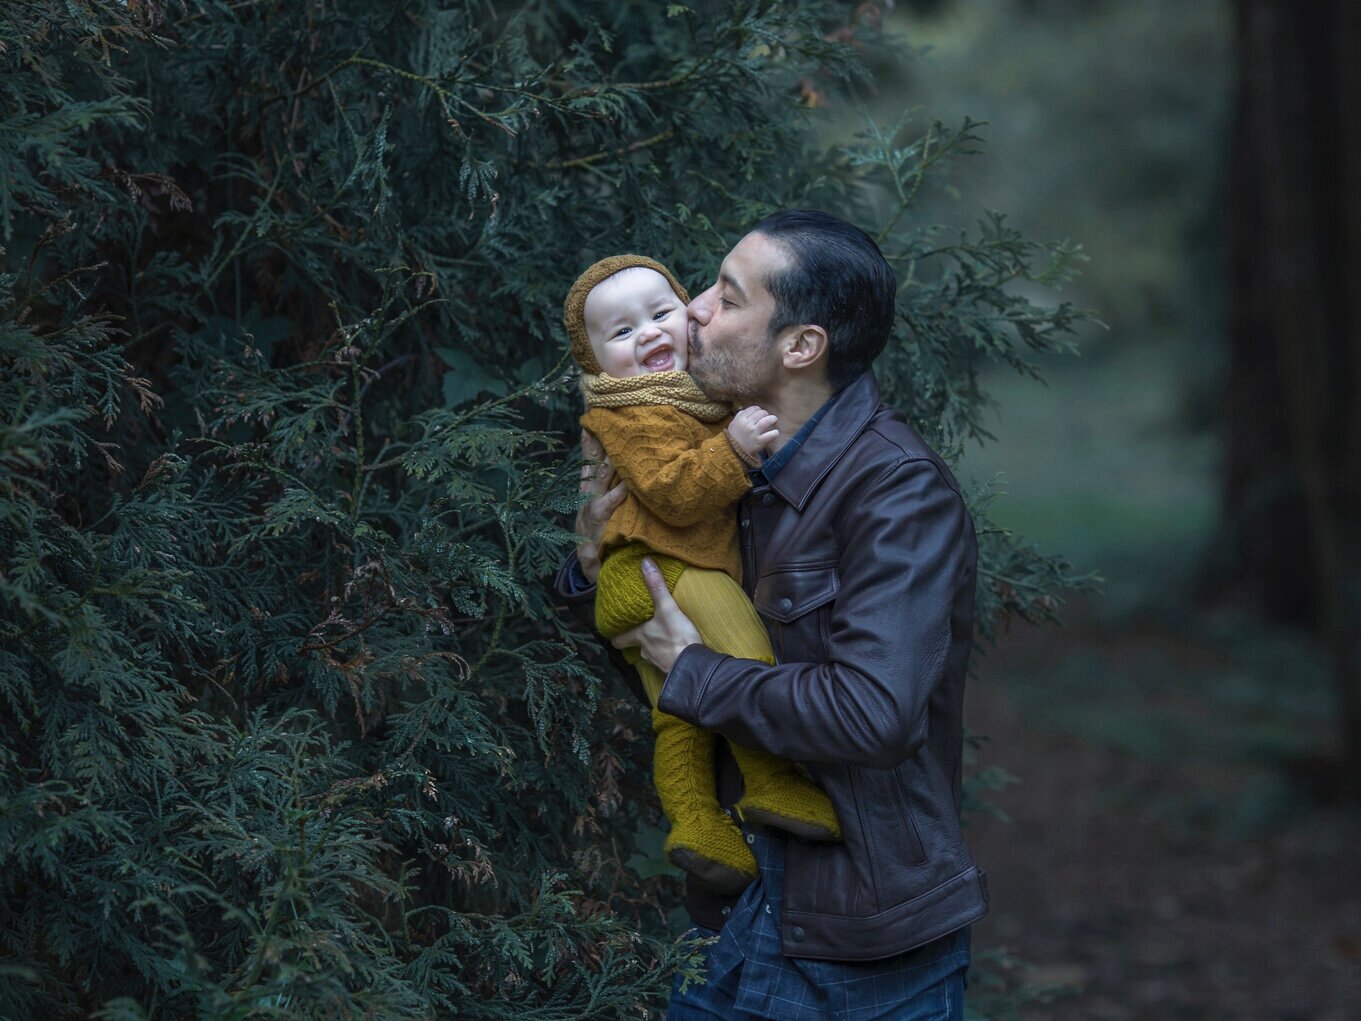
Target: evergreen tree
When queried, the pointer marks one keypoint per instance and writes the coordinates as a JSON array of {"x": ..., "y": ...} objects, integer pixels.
[{"x": 291, "y": 728}]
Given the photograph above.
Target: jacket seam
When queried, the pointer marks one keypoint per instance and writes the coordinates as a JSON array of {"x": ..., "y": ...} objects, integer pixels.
[
  {"x": 871, "y": 844},
  {"x": 908, "y": 456},
  {"x": 885, "y": 718},
  {"x": 888, "y": 910},
  {"x": 704, "y": 683}
]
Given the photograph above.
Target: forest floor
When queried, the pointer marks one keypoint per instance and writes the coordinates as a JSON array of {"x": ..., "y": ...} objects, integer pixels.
[
  {"x": 1166, "y": 856},
  {"x": 1173, "y": 851}
]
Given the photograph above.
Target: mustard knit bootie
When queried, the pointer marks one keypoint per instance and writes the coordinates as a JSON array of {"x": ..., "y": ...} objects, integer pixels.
[
  {"x": 703, "y": 841},
  {"x": 780, "y": 797}
]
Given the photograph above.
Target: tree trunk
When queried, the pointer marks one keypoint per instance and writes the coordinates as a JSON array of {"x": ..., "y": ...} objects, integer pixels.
[{"x": 1293, "y": 495}]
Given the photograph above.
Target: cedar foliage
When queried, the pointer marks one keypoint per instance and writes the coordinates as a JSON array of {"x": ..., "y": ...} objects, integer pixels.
[{"x": 290, "y": 727}]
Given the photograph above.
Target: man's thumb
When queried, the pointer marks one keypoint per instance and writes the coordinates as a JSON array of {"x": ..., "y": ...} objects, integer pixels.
[{"x": 652, "y": 578}]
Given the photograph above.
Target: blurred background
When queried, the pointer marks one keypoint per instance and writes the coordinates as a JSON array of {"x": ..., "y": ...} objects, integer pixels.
[{"x": 1182, "y": 841}]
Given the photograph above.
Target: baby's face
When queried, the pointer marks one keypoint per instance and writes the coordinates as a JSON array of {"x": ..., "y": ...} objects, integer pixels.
[{"x": 636, "y": 324}]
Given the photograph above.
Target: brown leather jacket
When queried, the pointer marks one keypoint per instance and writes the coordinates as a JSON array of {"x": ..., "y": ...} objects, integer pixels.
[{"x": 861, "y": 558}]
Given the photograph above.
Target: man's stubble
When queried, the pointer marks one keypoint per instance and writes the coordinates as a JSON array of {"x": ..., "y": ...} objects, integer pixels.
[{"x": 726, "y": 376}]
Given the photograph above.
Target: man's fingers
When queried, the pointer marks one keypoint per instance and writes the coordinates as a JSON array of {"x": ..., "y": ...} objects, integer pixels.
[
  {"x": 591, "y": 448},
  {"x": 604, "y": 505},
  {"x": 656, "y": 586},
  {"x": 599, "y": 477},
  {"x": 652, "y": 575},
  {"x": 596, "y": 476},
  {"x": 596, "y": 468}
]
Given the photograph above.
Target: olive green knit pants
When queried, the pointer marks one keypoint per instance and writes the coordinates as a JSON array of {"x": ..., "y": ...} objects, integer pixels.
[{"x": 703, "y": 839}]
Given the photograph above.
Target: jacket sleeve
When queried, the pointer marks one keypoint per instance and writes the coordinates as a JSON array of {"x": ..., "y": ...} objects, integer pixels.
[
  {"x": 907, "y": 575},
  {"x": 680, "y": 483}
]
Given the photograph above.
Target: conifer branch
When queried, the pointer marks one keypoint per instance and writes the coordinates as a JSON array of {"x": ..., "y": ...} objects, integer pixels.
[
  {"x": 586, "y": 161},
  {"x": 261, "y": 208}
]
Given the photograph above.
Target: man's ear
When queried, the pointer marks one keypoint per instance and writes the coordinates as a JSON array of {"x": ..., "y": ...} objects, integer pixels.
[{"x": 805, "y": 347}]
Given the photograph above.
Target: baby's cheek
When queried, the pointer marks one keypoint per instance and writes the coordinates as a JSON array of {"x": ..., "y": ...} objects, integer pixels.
[{"x": 680, "y": 331}]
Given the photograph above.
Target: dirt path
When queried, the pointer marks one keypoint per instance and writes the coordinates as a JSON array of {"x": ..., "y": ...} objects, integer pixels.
[{"x": 1136, "y": 879}]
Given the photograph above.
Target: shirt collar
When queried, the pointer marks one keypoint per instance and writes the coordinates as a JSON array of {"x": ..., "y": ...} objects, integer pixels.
[
  {"x": 771, "y": 466},
  {"x": 821, "y": 441}
]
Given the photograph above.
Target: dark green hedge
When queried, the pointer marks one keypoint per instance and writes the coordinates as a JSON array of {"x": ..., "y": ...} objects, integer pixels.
[{"x": 290, "y": 728}]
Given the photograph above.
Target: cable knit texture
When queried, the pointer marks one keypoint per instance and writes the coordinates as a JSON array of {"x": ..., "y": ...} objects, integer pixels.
[
  {"x": 675, "y": 389},
  {"x": 683, "y": 479},
  {"x": 622, "y": 600}
]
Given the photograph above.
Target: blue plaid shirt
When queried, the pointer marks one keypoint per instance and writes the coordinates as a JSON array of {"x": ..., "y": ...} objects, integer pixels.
[
  {"x": 745, "y": 966},
  {"x": 771, "y": 466}
]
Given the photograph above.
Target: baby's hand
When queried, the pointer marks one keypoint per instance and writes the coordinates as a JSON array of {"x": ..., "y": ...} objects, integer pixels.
[{"x": 749, "y": 432}]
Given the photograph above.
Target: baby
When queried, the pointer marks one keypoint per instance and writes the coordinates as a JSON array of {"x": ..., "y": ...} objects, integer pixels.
[{"x": 685, "y": 460}]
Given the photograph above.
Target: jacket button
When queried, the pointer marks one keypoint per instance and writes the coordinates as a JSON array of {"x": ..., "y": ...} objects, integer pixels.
[
  {"x": 786, "y": 605},
  {"x": 751, "y": 838},
  {"x": 796, "y": 934},
  {"x": 746, "y": 522},
  {"x": 726, "y": 911},
  {"x": 768, "y": 500}
]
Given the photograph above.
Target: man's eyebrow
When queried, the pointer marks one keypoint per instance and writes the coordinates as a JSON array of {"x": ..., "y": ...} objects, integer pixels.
[{"x": 730, "y": 282}]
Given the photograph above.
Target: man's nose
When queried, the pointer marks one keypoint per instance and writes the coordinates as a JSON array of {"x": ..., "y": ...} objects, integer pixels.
[{"x": 701, "y": 309}]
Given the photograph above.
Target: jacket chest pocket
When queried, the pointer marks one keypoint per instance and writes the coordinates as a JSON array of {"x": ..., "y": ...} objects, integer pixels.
[{"x": 796, "y": 603}]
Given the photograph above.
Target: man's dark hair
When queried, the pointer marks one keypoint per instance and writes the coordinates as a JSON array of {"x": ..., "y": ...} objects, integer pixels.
[{"x": 837, "y": 279}]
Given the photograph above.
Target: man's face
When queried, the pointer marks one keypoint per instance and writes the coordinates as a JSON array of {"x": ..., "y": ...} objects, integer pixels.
[{"x": 732, "y": 355}]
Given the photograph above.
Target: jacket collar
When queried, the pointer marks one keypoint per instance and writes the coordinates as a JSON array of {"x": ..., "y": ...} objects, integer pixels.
[{"x": 835, "y": 432}]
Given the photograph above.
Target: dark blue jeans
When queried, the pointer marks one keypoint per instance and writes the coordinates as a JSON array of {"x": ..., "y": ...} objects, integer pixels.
[{"x": 941, "y": 1001}]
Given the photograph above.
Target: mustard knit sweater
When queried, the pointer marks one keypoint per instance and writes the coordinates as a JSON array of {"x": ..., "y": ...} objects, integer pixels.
[{"x": 683, "y": 477}]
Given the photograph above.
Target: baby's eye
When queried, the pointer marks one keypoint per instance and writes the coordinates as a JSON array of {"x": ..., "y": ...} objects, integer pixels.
[
  {"x": 621, "y": 331},
  {"x": 663, "y": 313}
]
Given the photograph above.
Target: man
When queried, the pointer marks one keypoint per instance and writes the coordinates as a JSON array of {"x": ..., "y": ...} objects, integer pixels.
[{"x": 859, "y": 554}]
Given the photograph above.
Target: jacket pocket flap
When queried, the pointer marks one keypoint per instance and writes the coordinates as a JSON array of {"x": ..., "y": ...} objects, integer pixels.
[{"x": 791, "y": 593}]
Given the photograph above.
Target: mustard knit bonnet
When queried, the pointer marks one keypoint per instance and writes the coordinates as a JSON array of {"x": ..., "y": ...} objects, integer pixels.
[{"x": 574, "y": 308}]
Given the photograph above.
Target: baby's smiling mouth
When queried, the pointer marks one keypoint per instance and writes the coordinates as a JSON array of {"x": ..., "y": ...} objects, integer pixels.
[{"x": 659, "y": 360}]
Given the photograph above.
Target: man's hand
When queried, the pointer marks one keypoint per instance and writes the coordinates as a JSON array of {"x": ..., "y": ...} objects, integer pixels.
[
  {"x": 592, "y": 515},
  {"x": 751, "y": 431},
  {"x": 666, "y": 635}
]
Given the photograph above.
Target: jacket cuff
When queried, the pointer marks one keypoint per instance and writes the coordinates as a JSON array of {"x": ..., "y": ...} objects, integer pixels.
[
  {"x": 576, "y": 593},
  {"x": 684, "y": 688},
  {"x": 571, "y": 580}
]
